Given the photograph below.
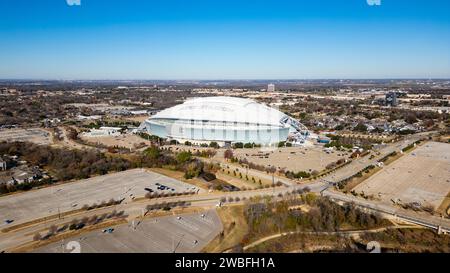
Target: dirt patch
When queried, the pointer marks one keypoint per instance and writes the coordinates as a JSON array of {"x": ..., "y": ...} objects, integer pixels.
[
  {"x": 235, "y": 228},
  {"x": 128, "y": 141}
]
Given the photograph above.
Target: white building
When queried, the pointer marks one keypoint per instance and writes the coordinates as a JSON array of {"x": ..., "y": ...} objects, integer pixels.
[
  {"x": 271, "y": 87},
  {"x": 138, "y": 112},
  {"x": 224, "y": 120},
  {"x": 104, "y": 131},
  {"x": 94, "y": 117}
]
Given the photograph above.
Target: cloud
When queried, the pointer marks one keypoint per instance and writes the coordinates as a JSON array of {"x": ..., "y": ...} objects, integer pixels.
[{"x": 73, "y": 2}]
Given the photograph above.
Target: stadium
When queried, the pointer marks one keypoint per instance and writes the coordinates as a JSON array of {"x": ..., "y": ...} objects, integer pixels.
[{"x": 225, "y": 120}]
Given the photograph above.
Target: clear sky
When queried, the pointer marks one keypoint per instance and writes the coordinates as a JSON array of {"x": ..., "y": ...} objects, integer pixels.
[{"x": 224, "y": 39}]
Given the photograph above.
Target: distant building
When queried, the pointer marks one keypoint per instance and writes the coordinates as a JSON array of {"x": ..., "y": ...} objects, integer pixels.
[
  {"x": 104, "y": 131},
  {"x": 271, "y": 87},
  {"x": 139, "y": 112},
  {"x": 324, "y": 140},
  {"x": 94, "y": 117},
  {"x": 391, "y": 99},
  {"x": 19, "y": 175}
]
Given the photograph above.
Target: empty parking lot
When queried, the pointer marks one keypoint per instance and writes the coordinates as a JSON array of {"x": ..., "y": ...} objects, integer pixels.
[
  {"x": 165, "y": 234},
  {"x": 422, "y": 176},
  {"x": 35, "y": 204},
  {"x": 291, "y": 158},
  {"x": 34, "y": 135}
]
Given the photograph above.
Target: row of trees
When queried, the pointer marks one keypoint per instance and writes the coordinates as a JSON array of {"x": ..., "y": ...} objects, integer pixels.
[{"x": 77, "y": 224}]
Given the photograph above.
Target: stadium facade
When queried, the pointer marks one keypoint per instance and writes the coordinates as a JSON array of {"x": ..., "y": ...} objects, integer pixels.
[{"x": 225, "y": 120}]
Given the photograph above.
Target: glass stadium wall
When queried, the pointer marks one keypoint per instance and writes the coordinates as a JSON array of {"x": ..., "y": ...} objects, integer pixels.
[{"x": 217, "y": 131}]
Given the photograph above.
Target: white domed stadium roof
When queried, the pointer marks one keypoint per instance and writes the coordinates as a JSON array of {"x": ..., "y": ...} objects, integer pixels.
[{"x": 224, "y": 109}]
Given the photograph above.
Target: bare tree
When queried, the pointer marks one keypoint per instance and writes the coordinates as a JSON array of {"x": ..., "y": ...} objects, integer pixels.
[
  {"x": 93, "y": 219},
  {"x": 37, "y": 237},
  {"x": 53, "y": 229},
  {"x": 228, "y": 154}
]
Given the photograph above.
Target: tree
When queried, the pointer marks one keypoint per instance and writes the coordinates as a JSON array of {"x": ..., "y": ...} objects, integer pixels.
[
  {"x": 248, "y": 145},
  {"x": 152, "y": 152},
  {"x": 184, "y": 157},
  {"x": 228, "y": 154},
  {"x": 37, "y": 237},
  {"x": 213, "y": 144},
  {"x": 360, "y": 128},
  {"x": 238, "y": 145},
  {"x": 53, "y": 229},
  {"x": 411, "y": 118}
]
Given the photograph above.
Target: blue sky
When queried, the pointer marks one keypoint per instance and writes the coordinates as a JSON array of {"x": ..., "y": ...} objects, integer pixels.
[{"x": 218, "y": 39}]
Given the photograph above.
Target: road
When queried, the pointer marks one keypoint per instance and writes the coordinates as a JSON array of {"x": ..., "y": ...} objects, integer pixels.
[
  {"x": 134, "y": 209},
  {"x": 422, "y": 219},
  {"x": 361, "y": 163}
]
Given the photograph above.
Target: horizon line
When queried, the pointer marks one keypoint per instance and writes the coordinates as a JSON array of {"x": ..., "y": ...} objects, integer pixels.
[{"x": 225, "y": 79}]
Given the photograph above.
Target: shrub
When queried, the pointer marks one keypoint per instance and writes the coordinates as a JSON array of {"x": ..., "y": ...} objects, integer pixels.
[
  {"x": 249, "y": 145},
  {"x": 184, "y": 157},
  {"x": 213, "y": 144},
  {"x": 238, "y": 145},
  {"x": 37, "y": 237}
]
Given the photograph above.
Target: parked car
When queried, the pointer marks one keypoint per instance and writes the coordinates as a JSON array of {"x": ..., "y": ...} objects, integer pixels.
[{"x": 108, "y": 230}]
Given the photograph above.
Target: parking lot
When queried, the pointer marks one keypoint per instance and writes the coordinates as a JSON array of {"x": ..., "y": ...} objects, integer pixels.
[
  {"x": 34, "y": 135},
  {"x": 125, "y": 185},
  {"x": 422, "y": 177},
  {"x": 183, "y": 233},
  {"x": 291, "y": 158}
]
